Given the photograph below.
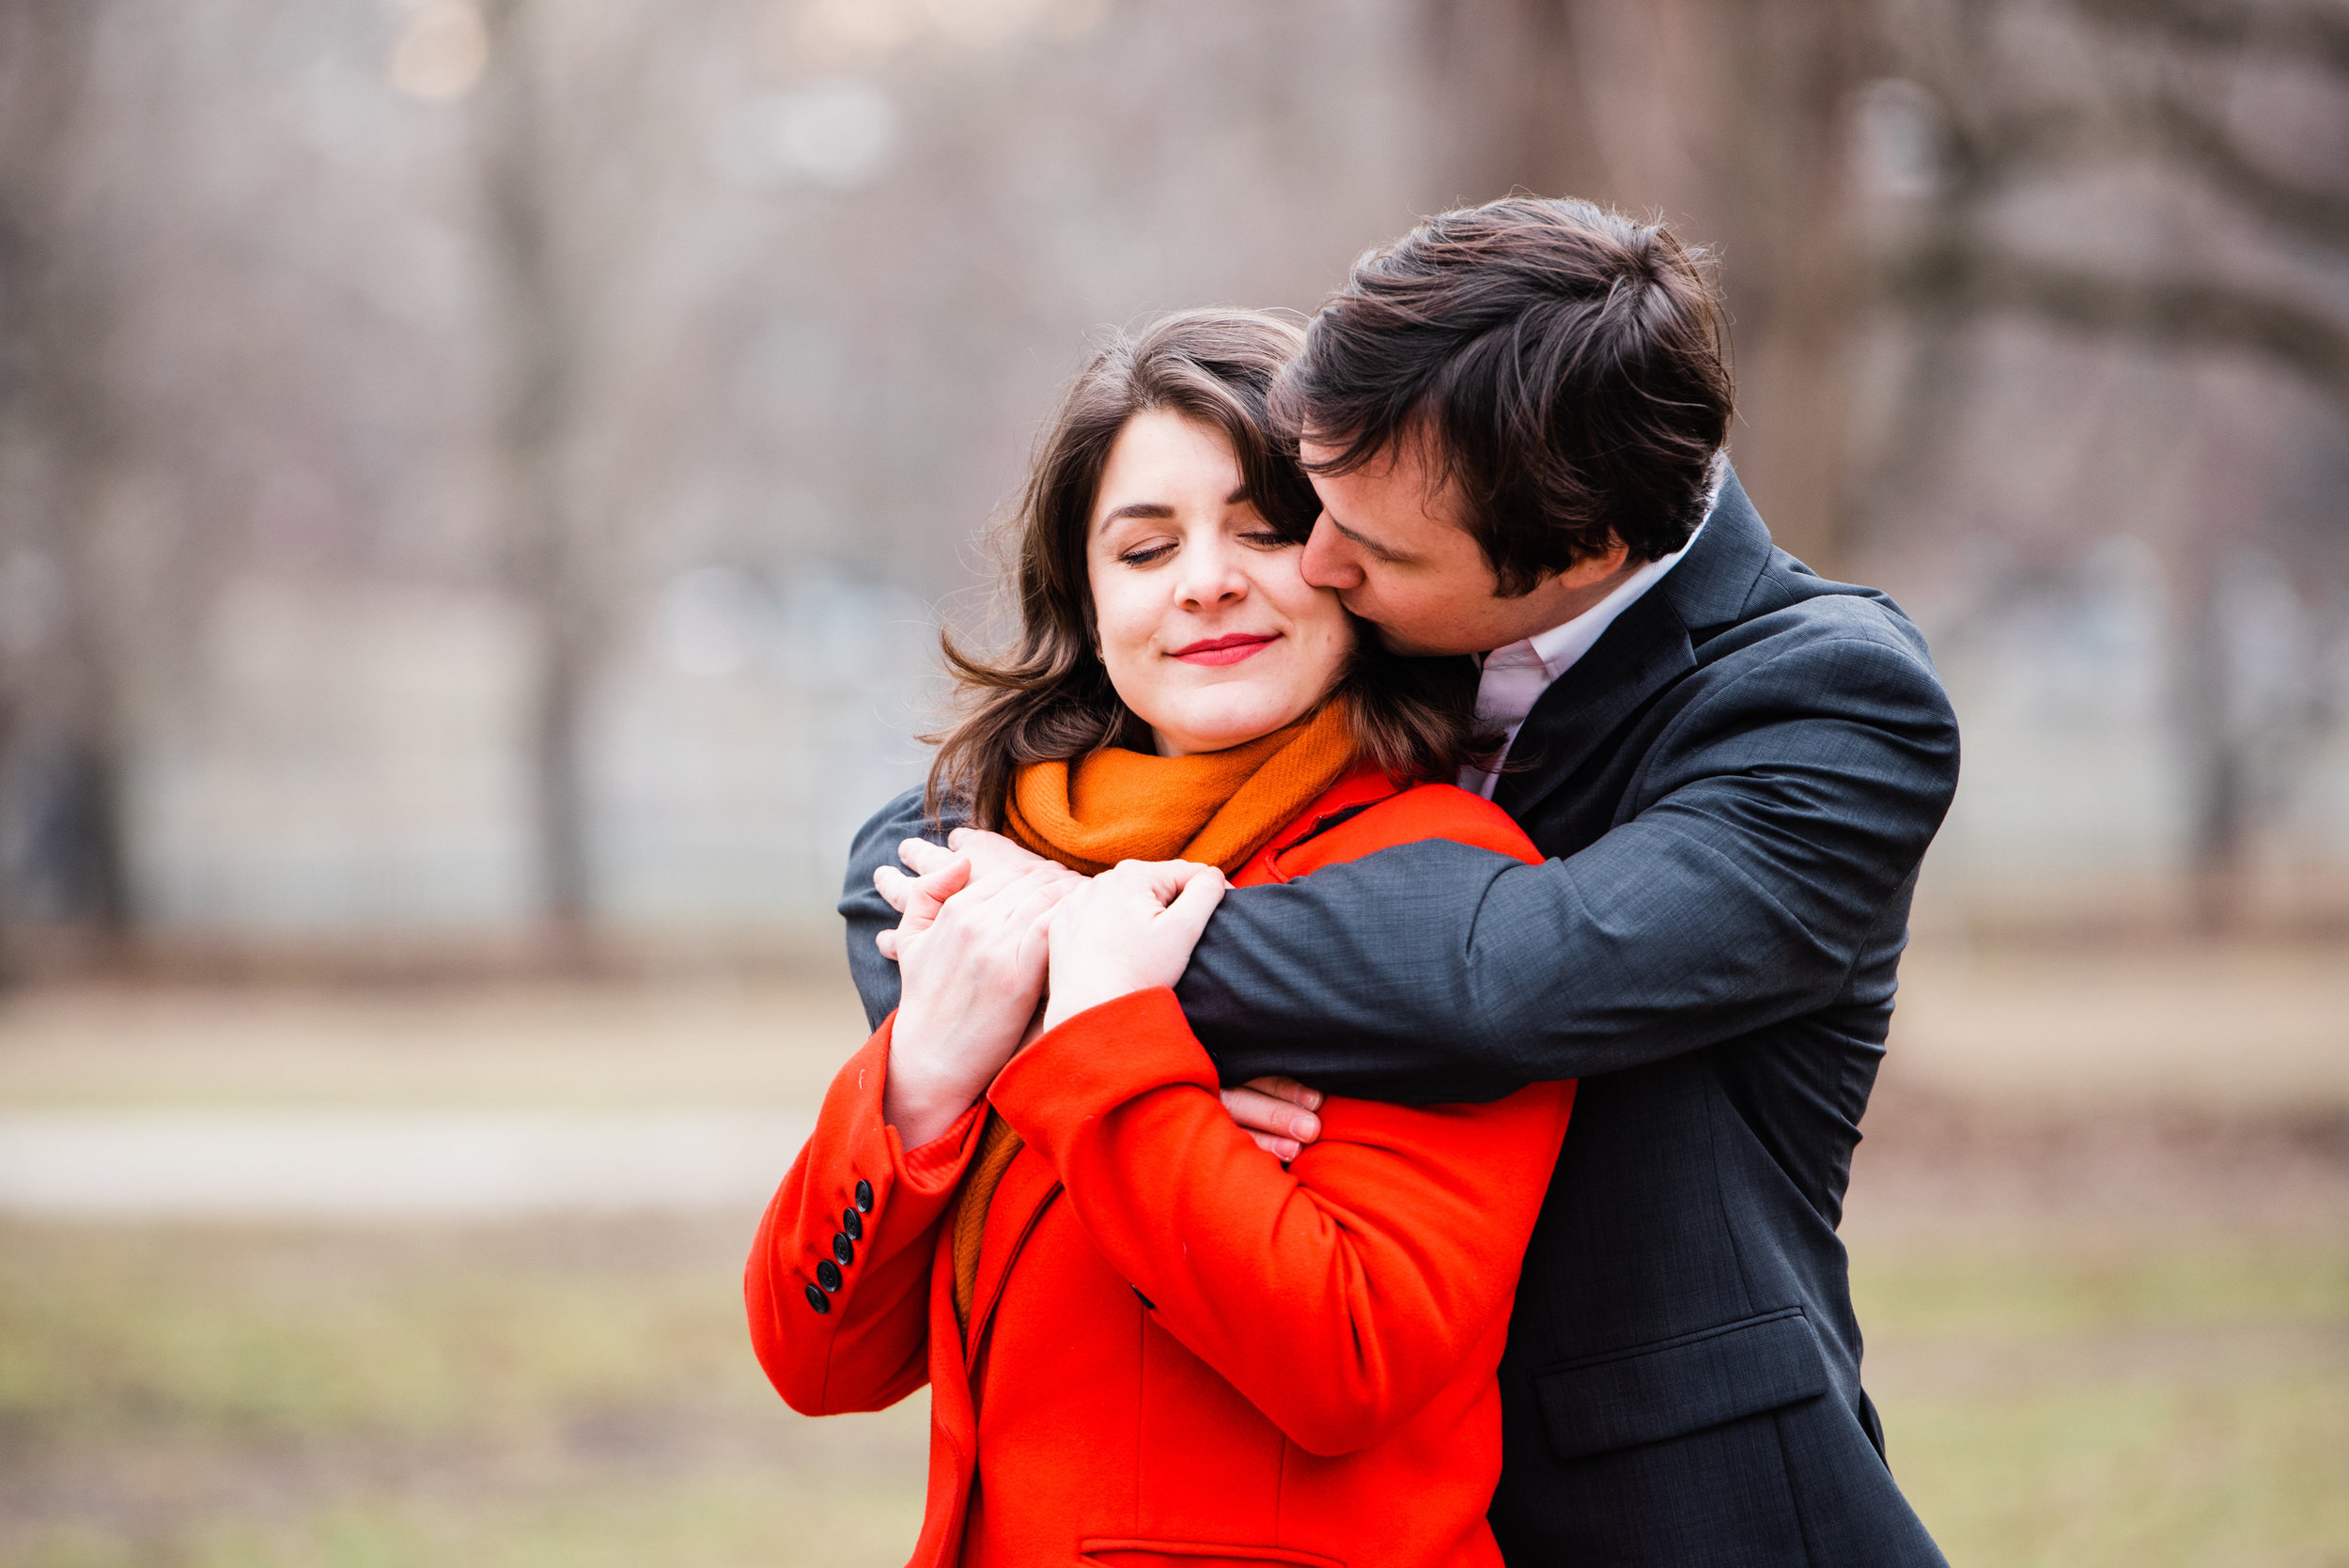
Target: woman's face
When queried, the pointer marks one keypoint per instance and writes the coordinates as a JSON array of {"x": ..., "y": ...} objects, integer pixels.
[{"x": 1211, "y": 632}]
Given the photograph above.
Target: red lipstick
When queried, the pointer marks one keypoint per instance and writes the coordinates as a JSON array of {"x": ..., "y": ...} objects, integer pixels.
[{"x": 1225, "y": 650}]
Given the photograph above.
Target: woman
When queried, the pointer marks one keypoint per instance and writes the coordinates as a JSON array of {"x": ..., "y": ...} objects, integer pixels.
[{"x": 1149, "y": 1341}]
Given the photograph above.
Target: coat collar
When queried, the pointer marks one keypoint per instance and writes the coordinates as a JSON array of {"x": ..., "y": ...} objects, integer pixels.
[{"x": 1650, "y": 645}]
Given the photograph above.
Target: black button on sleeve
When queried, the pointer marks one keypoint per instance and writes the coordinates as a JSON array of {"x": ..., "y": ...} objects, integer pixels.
[
  {"x": 818, "y": 1300},
  {"x": 864, "y": 1197},
  {"x": 843, "y": 1249},
  {"x": 826, "y": 1275},
  {"x": 853, "y": 1223}
]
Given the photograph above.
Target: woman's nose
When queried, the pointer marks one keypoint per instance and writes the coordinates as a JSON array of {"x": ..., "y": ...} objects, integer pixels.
[{"x": 1211, "y": 576}]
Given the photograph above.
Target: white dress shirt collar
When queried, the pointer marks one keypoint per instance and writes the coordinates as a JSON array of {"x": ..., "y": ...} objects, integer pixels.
[{"x": 1517, "y": 676}]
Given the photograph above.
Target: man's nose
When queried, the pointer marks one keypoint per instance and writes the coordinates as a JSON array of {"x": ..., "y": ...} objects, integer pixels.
[{"x": 1329, "y": 561}]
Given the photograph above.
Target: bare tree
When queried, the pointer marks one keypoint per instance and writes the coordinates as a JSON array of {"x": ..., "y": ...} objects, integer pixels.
[
  {"x": 60, "y": 681},
  {"x": 2164, "y": 81},
  {"x": 549, "y": 555},
  {"x": 1728, "y": 118}
]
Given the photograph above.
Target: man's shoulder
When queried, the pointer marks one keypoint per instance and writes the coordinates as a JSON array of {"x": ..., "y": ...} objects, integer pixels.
[{"x": 1792, "y": 611}]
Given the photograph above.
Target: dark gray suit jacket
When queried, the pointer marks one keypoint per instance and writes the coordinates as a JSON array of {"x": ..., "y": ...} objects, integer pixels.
[{"x": 1734, "y": 785}]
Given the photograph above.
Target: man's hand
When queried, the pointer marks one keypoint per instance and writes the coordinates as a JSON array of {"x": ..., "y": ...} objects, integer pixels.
[{"x": 1277, "y": 1112}]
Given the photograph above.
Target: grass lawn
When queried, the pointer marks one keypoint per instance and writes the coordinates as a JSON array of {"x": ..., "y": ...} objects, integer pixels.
[
  {"x": 561, "y": 1396},
  {"x": 2142, "y": 1407},
  {"x": 582, "y": 1394}
]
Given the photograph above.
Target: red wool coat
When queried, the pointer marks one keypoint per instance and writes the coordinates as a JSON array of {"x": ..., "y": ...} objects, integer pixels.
[{"x": 1181, "y": 1353}]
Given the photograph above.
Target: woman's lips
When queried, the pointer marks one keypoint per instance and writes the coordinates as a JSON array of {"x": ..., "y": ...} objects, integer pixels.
[{"x": 1226, "y": 650}]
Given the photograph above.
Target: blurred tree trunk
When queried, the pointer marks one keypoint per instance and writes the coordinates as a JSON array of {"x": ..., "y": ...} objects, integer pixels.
[
  {"x": 547, "y": 556},
  {"x": 61, "y": 697},
  {"x": 2173, "y": 97},
  {"x": 1727, "y": 117}
]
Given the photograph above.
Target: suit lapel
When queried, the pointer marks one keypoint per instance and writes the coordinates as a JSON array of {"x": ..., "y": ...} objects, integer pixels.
[
  {"x": 1649, "y": 646},
  {"x": 1646, "y": 647}
]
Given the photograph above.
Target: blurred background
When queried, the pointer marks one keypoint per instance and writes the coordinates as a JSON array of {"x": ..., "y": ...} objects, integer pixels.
[{"x": 479, "y": 484}]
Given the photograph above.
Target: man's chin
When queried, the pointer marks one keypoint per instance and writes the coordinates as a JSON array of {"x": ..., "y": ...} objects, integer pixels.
[{"x": 1403, "y": 644}]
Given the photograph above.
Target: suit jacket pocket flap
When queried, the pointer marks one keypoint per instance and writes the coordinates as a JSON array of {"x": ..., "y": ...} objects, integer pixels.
[{"x": 1653, "y": 1391}]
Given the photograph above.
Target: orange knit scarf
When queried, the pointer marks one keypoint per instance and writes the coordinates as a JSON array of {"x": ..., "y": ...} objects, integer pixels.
[{"x": 1218, "y": 808}]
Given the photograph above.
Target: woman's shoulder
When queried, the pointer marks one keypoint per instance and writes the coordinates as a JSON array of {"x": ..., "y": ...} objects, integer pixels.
[
  {"x": 1411, "y": 814},
  {"x": 1427, "y": 811}
]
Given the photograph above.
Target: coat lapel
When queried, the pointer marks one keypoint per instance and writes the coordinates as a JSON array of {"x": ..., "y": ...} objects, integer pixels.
[
  {"x": 1649, "y": 646},
  {"x": 1027, "y": 1187}
]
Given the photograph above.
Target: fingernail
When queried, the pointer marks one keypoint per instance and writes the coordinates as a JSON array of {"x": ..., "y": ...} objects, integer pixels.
[
  {"x": 1305, "y": 1127},
  {"x": 1312, "y": 1100},
  {"x": 1289, "y": 1151}
]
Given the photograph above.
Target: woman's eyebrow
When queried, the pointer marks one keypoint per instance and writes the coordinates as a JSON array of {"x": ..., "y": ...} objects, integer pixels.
[{"x": 1136, "y": 509}]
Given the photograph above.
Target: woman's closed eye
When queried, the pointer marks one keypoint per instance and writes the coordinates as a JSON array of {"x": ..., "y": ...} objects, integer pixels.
[{"x": 1144, "y": 555}]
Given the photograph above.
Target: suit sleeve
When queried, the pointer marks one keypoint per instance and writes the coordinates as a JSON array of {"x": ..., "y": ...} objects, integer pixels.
[
  {"x": 1338, "y": 1295},
  {"x": 868, "y": 1348},
  {"x": 1777, "y": 817},
  {"x": 867, "y": 911}
]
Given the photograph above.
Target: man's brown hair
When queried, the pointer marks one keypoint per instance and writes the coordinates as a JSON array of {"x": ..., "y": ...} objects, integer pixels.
[{"x": 1565, "y": 367}]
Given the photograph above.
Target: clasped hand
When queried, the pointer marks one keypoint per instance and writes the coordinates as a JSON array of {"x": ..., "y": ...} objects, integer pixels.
[{"x": 995, "y": 945}]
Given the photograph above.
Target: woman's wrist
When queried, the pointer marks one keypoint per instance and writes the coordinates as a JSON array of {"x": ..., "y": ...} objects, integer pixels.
[
  {"x": 1063, "y": 1006},
  {"x": 923, "y": 1111}
]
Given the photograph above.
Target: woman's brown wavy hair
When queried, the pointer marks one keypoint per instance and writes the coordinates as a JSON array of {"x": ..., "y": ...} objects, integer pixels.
[{"x": 1047, "y": 697}]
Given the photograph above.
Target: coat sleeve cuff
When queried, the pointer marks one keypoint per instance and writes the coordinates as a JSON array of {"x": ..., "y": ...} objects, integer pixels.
[
  {"x": 937, "y": 1165},
  {"x": 876, "y": 1156},
  {"x": 1097, "y": 1061}
]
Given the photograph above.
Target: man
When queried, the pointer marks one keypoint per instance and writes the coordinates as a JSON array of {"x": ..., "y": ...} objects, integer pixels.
[{"x": 1514, "y": 417}]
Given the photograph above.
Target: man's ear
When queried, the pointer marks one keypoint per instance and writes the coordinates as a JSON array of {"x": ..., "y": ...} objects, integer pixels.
[{"x": 1593, "y": 569}]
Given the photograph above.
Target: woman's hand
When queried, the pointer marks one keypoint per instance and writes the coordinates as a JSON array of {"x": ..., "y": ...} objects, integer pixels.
[
  {"x": 1129, "y": 929},
  {"x": 1277, "y": 1112},
  {"x": 972, "y": 978},
  {"x": 940, "y": 874}
]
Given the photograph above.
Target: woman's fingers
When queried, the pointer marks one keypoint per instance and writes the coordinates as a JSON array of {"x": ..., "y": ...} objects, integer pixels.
[
  {"x": 922, "y": 857},
  {"x": 1000, "y": 920},
  {"x": 1131, "y": 929},
  {"x": 1164, "y": 880},
  {"x": 918, "y": 899},
  {"x": 991, "y": 851},
  {"x": 1188, "y": 915},
  {"x": 1029, "y": 919}
]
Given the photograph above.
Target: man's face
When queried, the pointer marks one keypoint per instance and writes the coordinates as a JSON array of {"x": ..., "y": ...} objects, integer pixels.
[{"x": 1399, "y": 554}]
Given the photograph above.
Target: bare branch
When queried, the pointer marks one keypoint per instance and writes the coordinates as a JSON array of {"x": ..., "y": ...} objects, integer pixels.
[
  {"x": 2187, "y": 135},
  {"x": 2316, "y": 32},
  {"x": 2194, "y": 314},
  {"x": 2312, "y": 211}
]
